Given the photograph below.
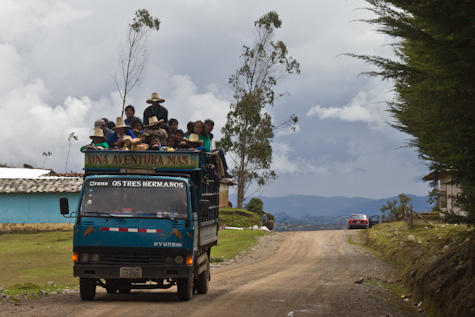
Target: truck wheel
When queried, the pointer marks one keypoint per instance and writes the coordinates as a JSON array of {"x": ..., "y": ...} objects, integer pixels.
[
  {"x": 202, "y": 283},
  {"x": 87, "y": 288},
  {"x": 185, "y": 288}
]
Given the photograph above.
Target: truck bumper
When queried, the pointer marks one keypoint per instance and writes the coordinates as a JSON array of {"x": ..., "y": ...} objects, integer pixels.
[{"x": 147, "y": 272}]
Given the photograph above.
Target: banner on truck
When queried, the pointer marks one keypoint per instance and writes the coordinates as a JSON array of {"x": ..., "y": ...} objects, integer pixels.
[{"x": 152, "y": 160}]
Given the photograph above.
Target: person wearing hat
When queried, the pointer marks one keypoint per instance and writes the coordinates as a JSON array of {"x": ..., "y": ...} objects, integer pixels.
[
  {"x": 101, "y": 124},
  {"x": 121, "y": 129},
  {"x": 154, "y": 129},
  {"x": 98, "y": 141},
  {"x": 155, "y": 110},
  {"x": 193, "y": 142}
]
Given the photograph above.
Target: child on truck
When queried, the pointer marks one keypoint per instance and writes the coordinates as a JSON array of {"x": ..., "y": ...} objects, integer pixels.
[
  {"x": 98, "y": 141},
  {"x": 154, "y": 143}
]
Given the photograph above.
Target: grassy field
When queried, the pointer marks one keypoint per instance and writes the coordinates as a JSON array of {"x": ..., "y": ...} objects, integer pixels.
[
  {"x": 32, "y": 259},
  {"x": 36, "y": 259}
]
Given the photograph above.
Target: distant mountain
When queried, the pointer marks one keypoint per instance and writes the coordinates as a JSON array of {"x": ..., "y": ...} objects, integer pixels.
[{"x": 303, "y": 206}]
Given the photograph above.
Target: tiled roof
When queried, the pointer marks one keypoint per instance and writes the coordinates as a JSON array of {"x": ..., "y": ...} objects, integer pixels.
[{"x": 40, "y": 185}]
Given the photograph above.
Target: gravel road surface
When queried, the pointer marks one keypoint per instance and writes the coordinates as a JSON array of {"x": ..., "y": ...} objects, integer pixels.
[{"x": 310, "y": 273}]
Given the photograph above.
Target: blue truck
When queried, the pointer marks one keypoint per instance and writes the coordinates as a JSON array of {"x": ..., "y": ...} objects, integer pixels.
[{"x": 145, "y": 220}]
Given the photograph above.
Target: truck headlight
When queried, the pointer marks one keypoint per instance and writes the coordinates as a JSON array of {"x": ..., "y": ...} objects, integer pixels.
[
  {"x": 84, "y": 258},
  {"x": 179, "y": 259},
  {"x": 94, "y": 258}
]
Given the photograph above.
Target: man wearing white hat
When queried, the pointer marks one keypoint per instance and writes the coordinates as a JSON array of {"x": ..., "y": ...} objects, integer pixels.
[
  {"x": 121, "y": 130},
  {"x": 155, "y": 110}
]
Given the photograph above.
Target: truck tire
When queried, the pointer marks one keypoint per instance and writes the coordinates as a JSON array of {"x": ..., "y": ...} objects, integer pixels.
[
  {"x": 202, "y": 283},
  {"x": 185, "y": 288},
  {"x": 87, "y": 288}
]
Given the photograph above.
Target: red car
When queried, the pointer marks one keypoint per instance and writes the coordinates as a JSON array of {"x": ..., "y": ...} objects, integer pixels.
[{"x": 358, "y": 221}]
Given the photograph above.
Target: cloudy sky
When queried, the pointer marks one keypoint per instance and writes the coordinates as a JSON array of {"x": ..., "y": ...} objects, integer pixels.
[{"x": 58, "y": 58}]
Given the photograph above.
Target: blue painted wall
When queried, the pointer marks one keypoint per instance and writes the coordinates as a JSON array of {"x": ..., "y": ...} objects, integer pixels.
[{"x": 35, "y": 207}]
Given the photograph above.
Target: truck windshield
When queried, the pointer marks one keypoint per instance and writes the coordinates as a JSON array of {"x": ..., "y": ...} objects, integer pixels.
[{"x": 120, "y": 197}]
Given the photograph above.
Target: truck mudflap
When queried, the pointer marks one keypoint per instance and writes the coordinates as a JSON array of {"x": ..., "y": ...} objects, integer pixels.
[{"x": 132, "y": 272}]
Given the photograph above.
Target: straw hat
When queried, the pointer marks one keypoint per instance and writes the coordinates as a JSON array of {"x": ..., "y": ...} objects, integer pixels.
[
  {"x": 120, "y": 123},
  {"x": 195, "y": 138},
  {"x": 98, "y": 133},
  {"x": 155, "y": 97},
  {"x": 153, "y": 121}
]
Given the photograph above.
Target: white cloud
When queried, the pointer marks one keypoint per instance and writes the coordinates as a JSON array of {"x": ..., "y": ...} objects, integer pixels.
[
  {"x": 284, "y": 161},
  {"x": 38, "y": 18},
  {"x": 188, "y": 104},
  {"x": 366, "y": 106}
]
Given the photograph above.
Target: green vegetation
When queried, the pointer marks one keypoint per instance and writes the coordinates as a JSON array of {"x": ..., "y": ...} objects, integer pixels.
[
  {"x": 436, "y": 263},
  {"x": 34, "y": 261},
  {"x": 394, "y": 212},
  {"x": 255, "y": 205},
  {"x": 433, "y": 79},
  {"x": 36, "y": 258},
  {"x": 233, "y": 217},
  {"x": 233, "y": 242}
]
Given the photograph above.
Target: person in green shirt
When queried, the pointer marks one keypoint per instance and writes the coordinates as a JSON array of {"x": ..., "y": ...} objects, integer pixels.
[
  {"x": 199, "y": 128},
  {"x": 98, "y": 141}
]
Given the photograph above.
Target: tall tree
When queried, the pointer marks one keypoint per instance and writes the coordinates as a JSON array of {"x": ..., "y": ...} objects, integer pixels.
[
  {"x": 249, "y": 131},
  {"x": 434, "y": 77},
  {"x": 133, "y": 53}
]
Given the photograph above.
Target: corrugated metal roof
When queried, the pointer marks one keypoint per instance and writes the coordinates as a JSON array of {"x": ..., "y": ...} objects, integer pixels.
[{"x": 40, "y": 185}]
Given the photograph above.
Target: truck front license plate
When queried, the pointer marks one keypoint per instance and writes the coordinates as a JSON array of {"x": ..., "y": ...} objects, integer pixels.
[{"x": 130, "y": 272}]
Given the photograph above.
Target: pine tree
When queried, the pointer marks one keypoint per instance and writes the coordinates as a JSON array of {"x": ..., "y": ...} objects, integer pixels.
[{"x": 434, "y": 78}]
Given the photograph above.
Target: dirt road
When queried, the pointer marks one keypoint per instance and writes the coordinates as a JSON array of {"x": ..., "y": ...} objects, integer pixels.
[{"x": 287, "y": 274}]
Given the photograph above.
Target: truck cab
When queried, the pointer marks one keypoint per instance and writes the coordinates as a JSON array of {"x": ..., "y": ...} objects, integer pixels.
[{"x": 145, "y": 220}]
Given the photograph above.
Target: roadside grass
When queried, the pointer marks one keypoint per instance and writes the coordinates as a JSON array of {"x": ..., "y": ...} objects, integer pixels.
[
  {"x": 36, "y": 261},
  {"x": 434, "y": 263},
  {"x": 394, "y": 240},
  {"x": 233, "y": 242},
  {"x": 233, "y": 217}
]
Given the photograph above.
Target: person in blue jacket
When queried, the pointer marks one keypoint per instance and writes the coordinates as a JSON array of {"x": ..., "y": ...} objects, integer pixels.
[{"x": 121, "y": 129}]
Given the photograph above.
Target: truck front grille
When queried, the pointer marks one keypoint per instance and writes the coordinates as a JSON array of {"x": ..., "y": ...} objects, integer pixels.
[{"x": 131, "y": 259}]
